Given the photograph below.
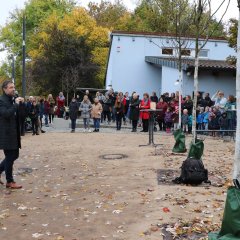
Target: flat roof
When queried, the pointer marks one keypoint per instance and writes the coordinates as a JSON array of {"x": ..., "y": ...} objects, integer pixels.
[
  {"x": 157, "y": 34},
  {"x": 189, "y": 63}
]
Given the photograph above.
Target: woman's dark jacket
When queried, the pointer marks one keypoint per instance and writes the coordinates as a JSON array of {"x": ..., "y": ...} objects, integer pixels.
[
  {"x": 134, "y": 109},
  {"x": 9, "y": 124},
  {"x": 73, "y": 110}
]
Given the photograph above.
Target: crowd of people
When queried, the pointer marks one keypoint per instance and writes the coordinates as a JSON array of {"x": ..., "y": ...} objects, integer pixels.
[{"x": 213, "y": 113}]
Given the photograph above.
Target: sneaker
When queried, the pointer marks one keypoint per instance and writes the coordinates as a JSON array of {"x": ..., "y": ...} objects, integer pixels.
[
  {"x": 89, "y": 130},
  {"x": 13, "y": 185},
  {"x": 72, "y": 131}
]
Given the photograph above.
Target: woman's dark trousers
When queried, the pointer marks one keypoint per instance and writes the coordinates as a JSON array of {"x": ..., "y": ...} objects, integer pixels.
[{"x": 145, "y": 125}]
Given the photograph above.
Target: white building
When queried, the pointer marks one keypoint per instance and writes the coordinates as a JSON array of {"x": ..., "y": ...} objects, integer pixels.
[{"x": 146, "y": 62}]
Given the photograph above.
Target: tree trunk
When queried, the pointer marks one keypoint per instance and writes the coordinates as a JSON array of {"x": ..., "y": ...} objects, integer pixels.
[
  {"x": 236, "y": 168},
  {"x": 194, "y": 122},
  {"x": 180, "y": 98}
]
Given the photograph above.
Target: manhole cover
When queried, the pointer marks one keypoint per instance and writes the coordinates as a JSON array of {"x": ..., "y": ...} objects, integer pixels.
[
  {"x": 22, "y": 171},
  {"x": 113, "y": 156}
]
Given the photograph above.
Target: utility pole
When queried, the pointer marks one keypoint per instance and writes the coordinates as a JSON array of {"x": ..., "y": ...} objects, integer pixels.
[
  {"x": 236, "y": 168},
  {"x": 24, "y": 58}
]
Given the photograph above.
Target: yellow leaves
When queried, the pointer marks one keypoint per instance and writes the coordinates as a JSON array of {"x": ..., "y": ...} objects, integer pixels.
[
  {"x": 99, "y": 36},
  {"x": 76, "y": 21}
]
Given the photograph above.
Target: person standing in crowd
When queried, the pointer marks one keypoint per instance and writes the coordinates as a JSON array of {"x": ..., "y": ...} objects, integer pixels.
[
  {"x": 10, "y": 140},
  {"x": 162, "y": 106},
  {"x": 219, "y": 100},
  {"x": 85, "y": 108},
  {"x": 73, "y": 113},
  {"x": 223, "y": 123},
  {"x": 96, "y": 114},
  {"x": 60, "y": 105},
  {"x": 89, "y": 96},
  {"x": 51, "y": 110},
  {"x": 107, "y": 103},
  {"x": 145, "y": 105},
  {"x": 168, "y": 119},
  {"x": 41, "y": 110},
  {"x": 119, "y": 107},
  {"x": 126, "y": 106},
  {"x": 185, "y": 120},
  {"x": 46, "y": 112},
  {"x": 134, "y": 111},
  {"x": 34, "y": 113},
  {"x": 188, "y": 104},
  {"x": 206, "y": 119},
  {"x": 154, "y": 97},
  {"x": 113, "y": 97},
  {"x": 206, "y": 101},
  {"x": 22, "y": 116},
  {"x": 200, "y": 117},
  {"x": 230, "y": 108}
]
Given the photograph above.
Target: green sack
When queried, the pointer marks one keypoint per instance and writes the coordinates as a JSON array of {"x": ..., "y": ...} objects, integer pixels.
[
  {"x": 215, "y": 236},
  {"x": 179, "y": 146},
  {"x": 196, "y": 149},
  {"x": 230, "y": 229}
]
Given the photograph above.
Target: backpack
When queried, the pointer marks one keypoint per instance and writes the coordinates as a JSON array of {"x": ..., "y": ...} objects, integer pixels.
[{"x": 192, "y": 172}]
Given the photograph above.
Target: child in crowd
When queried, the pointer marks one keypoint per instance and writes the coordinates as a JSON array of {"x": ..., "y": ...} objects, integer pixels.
[
  {"x": 190, "y": 124},
  {"x": 213, "y": 120},
  {"x": 223, "y": 123},
  {"x": 206, "y": 119},
  {"x": 168, "y": 119},
  {"x": 185, "y": 119},
  {"x": 200, "y": 117}
]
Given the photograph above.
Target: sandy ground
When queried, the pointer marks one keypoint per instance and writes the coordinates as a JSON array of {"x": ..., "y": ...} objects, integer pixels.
[{"x": 73, "y": 194}]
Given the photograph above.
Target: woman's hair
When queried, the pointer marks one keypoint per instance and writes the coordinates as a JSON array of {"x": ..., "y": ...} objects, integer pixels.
[
  {"x": 146, "y": 94},
  {"x": 231, "y": 98},
  {"x": 118, "y": 102}
]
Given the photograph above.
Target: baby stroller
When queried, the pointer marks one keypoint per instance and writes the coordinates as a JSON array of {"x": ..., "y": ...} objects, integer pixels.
[{"x": 28, "y": 125}]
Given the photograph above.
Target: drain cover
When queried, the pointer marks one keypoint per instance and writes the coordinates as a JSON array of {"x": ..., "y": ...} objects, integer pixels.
[
  {"x": 113, "y": 156},
  {"x": 22, "y": 171}
]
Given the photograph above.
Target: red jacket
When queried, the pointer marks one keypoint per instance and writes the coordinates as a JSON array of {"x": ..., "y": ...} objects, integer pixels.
[
  {"x": 163, "y": 106},
  {"x": 144, "y": 115}
]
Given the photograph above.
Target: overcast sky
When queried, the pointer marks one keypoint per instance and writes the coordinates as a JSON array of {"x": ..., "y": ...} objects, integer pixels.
[{"x": 9, "y": 5}]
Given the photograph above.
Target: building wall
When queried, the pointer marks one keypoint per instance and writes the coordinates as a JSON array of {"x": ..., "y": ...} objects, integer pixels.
[
  {"x": 169, "y": 77},
  {"x": 211, "y": 83},
  {"x": 128, "y": 71}
]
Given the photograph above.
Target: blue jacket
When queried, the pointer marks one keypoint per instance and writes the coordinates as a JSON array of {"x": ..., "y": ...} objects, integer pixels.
[{"x": 206, "y": 117}]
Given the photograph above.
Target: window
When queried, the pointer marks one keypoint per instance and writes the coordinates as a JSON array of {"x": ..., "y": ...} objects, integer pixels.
[
  {"x": 203, "y": 53},
  {"x": 167, "y": 51},
  {"x": 186, "y": 52}
]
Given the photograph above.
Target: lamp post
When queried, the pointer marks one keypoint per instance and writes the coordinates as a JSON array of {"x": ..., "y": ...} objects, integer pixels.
[{"x": 236, "y": 168}]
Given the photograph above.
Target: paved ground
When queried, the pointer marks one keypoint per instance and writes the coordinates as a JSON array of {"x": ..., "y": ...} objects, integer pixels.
[{"x": 74, "y": 194}]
